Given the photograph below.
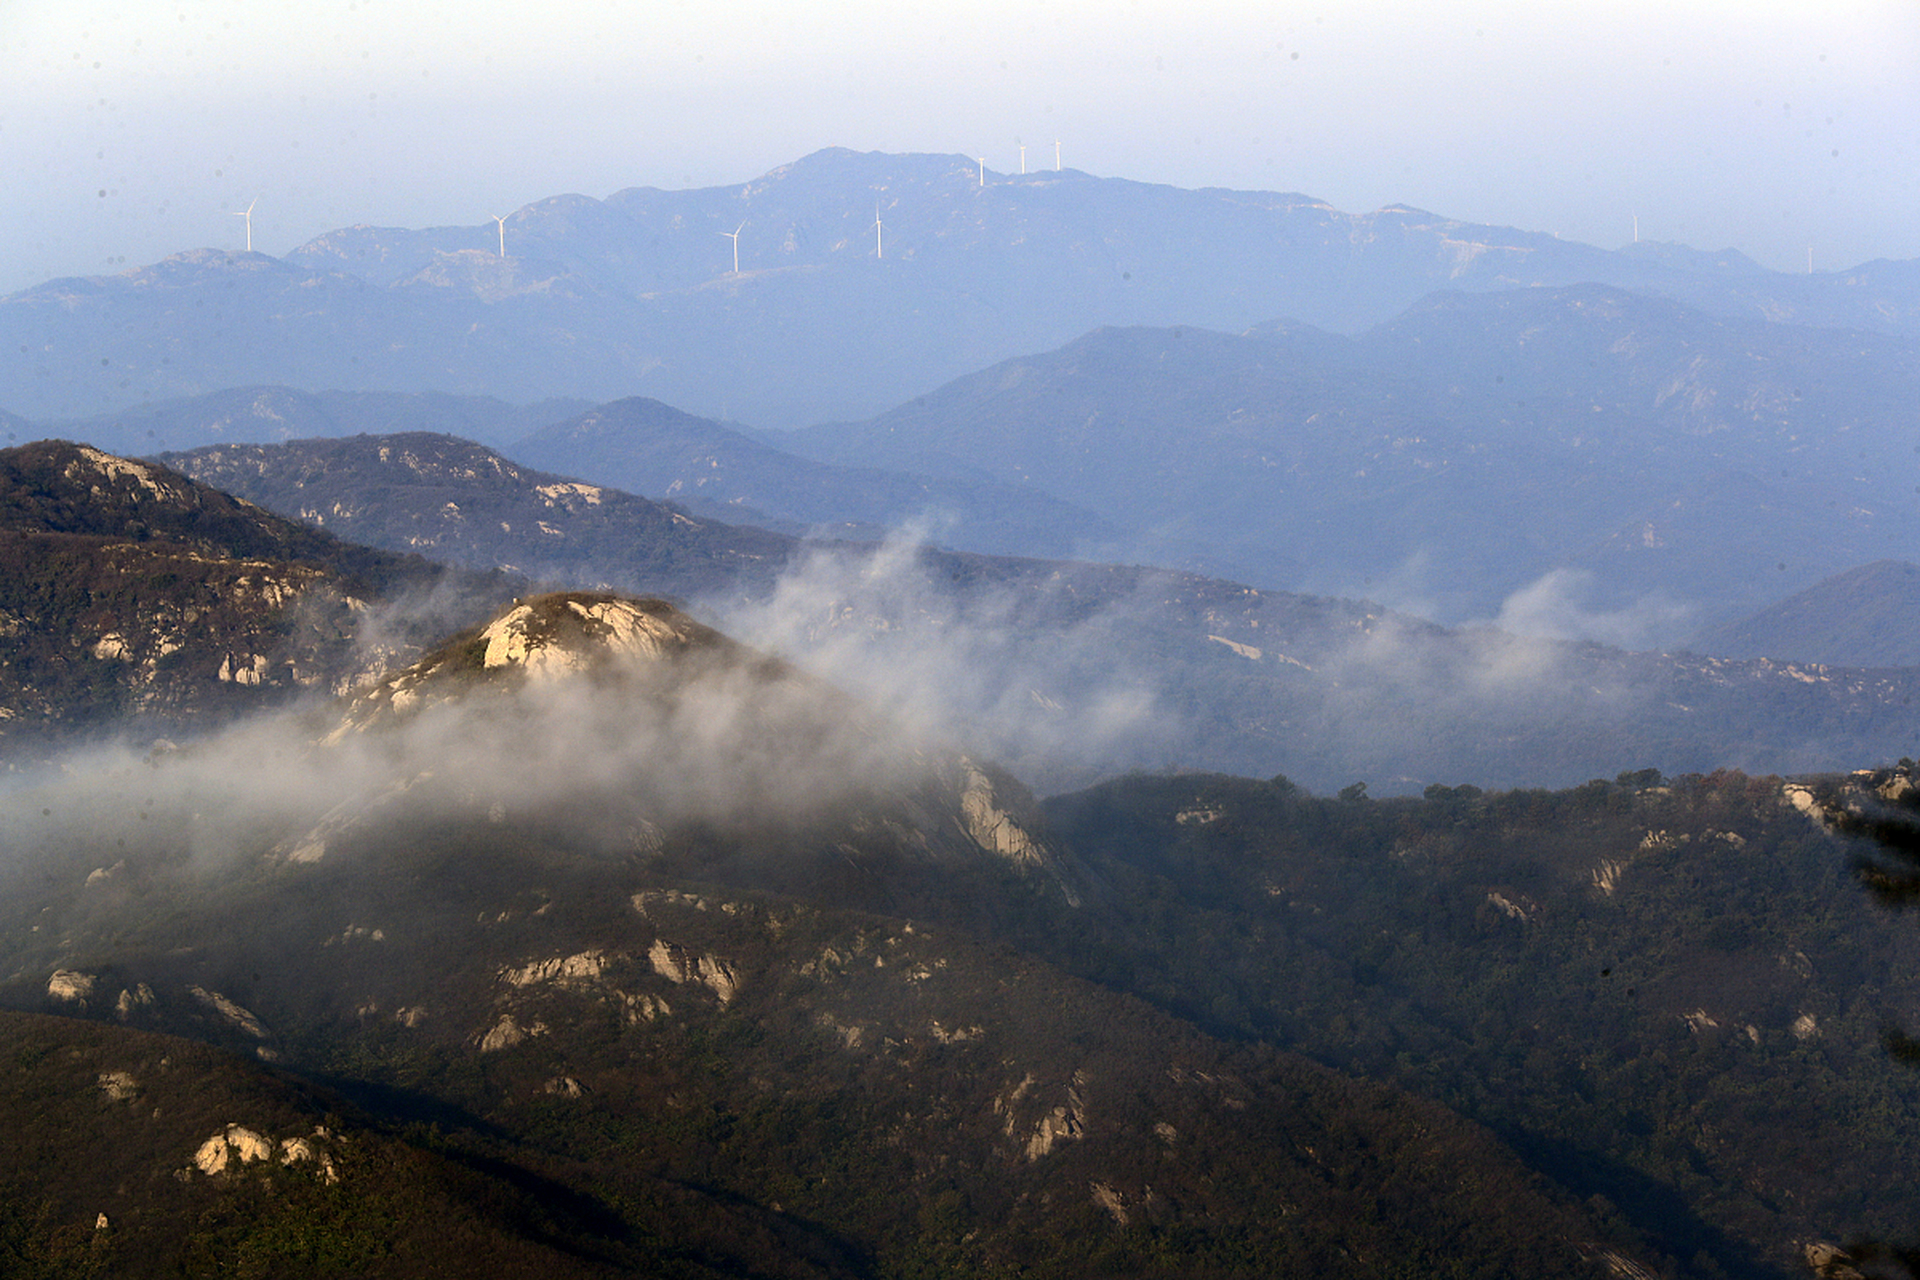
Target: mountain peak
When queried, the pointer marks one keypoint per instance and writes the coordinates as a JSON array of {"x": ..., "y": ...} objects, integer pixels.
[
  {"x": 536, "y": 638},
  {"x": 572, "y": 631}
]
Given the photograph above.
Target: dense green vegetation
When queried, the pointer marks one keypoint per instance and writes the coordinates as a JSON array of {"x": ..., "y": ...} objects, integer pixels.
[
  {"x": 1669, "y": 997},
  {"x": 871, "y": 1098},
  {"x": 99, "y": 1129},
  {"x": 1641, "y": 1017}
]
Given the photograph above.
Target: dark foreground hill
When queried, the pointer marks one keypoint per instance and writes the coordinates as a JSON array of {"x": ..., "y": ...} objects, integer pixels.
[
  {"x": 718, "y": 973},
  {"x": 133, "y": 1154},
  {"x": 1668, "y": 994},
  {"x": 604, "y": 904}
]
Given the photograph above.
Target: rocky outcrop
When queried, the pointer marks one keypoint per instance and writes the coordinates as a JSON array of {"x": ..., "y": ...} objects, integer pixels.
[
  {"x": 574, "y": 970},
  {"x": 536, "y": 636},
  {"x": 236, "y": 1146},
  {"x": 678, "y": 965},
  {"x": 506, "y": 1033},
  {"x": 234, "y": 1016},
  {"x": 990, "y": 826},
  {"x": 539, "y": 639},
  {"x": 71, "y": 986},
  {"x": 1044, "y": 1127}
]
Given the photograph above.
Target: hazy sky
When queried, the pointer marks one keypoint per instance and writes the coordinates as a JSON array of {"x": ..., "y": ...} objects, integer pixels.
[{"x": 130, "y": 129}]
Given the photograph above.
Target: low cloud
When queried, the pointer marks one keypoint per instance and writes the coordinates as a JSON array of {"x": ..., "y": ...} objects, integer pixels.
[
  {"x": 892, "y": 677},
  {"x": 1042, "y": 676},
  {"x": 1560, "y": 605},
  {"x": 616, "y": 755}
]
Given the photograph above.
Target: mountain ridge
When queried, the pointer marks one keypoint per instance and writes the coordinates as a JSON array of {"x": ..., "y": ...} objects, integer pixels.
[
  {"x": 132, "y": 594},
  {"x": 1073, "y": 671},
  {"x": 1460, "y": 452},
  {"x": 1861, "y": 617}
]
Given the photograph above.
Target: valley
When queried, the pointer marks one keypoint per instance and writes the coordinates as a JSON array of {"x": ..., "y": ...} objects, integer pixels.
[{"x": 1064, "y": 750}]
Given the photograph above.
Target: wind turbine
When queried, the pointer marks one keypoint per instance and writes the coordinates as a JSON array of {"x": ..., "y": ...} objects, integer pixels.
[
  {"x": 1023, "y": 157},
  {"x": 878, "y": 250},
  {"x": 1056, "y": 155},
  {"x": 983, "y": 171},
  {"x": 246, "y": 213},
  {"x": 503, "y": 234},
  {"x": 735, "y": 236}
]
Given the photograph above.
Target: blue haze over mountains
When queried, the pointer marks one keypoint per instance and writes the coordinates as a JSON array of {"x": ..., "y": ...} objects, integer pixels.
[
  {"x": 722, "y": 932},
  {"x": 634, "y": 294},
  {"x": 1469, "y": 422}
]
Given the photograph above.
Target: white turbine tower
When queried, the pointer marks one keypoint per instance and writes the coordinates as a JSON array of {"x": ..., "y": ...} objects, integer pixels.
[
  {"x": 983, "y": 171},
  {"x": 879, "y": 250},
  {"x": 247, "y": 213},
  {"x": 503, "y": 234},
  {"x": 1023, "y": 157},
  {"x": 734, "y": 235},
  {"x": 1056, "y": 155}
]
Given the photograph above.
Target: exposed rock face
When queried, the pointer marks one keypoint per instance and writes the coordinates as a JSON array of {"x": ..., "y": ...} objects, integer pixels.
[
  {"x": 1064, "y": 1121},
  {"x": 118, "y": 1086},
  {"x": 237, "y": 1145},
  {"x": 678, "y": 965},
  {"x": 534, "y": 637},
  {"x": 232, "y": 1013},
  {"x": 991, "y": 827},
  {"x": 567, "y": 970},
  {"x": 1831, "y": 1262},
  {"x": 70, "y": 985},
  {"x": 504, "y": 1035},
  {"x": 541, "y": 638}
]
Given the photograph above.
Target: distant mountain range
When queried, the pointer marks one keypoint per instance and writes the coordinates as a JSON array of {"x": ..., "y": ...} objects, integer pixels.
[
  {"x": 1455, "y": 455},
  {"x": 1469, "y": 423},
  {"x": 261, "y": 414},
  {"x": 635, "y": 294},
  {"x": 1585, "y": 461},
  {"x": 644, "y": 446},
  {"x": 1863, "y": 617}
]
